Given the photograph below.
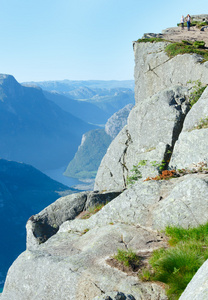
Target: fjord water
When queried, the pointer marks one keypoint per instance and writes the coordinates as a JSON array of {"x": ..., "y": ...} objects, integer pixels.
[{"x": 57, "y": 174}]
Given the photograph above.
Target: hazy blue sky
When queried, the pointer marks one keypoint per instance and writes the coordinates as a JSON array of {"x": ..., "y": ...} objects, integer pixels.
[{"x": 81, "y": 39}]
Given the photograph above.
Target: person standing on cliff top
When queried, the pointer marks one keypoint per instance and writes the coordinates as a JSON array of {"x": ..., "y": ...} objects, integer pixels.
[
  {"x": 182, "y": 22},
  {"x": 188, "y": 20}
]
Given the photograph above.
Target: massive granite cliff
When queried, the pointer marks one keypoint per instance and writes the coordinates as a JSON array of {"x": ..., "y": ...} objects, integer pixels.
[{"x": 69, "y": 257}]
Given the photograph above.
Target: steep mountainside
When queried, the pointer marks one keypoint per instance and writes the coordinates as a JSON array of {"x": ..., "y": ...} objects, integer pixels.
[
  {"x": 95, "y": 144},
  {"x": 24, "y": 191},
  {"x": 34, "y": 129},
  {"x": 89, "y": 155}
]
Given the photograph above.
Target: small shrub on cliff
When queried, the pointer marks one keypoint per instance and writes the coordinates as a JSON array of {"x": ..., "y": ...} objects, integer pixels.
[
  {"x": 136, "y": 174},
  {"x": 175, "y": 266},
  {"x": 166, "y": 174}
]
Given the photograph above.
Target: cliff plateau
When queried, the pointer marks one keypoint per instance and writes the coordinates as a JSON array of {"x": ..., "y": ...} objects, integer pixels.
[{"x": 69, "y": 257}]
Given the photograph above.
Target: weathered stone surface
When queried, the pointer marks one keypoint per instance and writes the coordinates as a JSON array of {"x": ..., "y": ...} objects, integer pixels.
[
  {"x": 75, "y": 256},
  {"x": 197, "y": 112},
  {"x": 73, "y": 266},
  {"x": 152, "y": 129},
  {"x": 155, "y": 71},
  {"x": 180, "y": 201},
  {"x": 197, "y": 289},
  {"x": 191, "y": 147},
  {"x": 114, "y": 296},
  {"x": 45, "y": 224}
]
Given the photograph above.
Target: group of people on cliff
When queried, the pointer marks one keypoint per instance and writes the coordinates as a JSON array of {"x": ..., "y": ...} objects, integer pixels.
[{"x": 188, "y": 20}]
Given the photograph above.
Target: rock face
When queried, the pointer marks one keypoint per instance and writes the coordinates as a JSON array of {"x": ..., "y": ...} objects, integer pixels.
[
  {"x": 68, "y": 257},
  {"x": 152, "y": 130},
  {"x": 45, "y": 224},
  {"x": 192, "y": 140},
  {"x": 155, "y": 71},
  {"x": 197, "y": 289}
]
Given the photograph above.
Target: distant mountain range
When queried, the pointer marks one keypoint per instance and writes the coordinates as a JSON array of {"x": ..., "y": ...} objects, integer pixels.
[
  {"x": 96, "y": 100},
  {"x": 70, "y": 85},
  {"x": 34, "y": 129},
  {"x": 24, "y": 191}
]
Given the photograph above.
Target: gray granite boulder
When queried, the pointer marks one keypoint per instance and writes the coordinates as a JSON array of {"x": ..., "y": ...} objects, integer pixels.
[
  {"x": 74, "y": 266},
  {"x": 197, "y": 289},
  {"x": 73, "y": 263},
  {"x": 181, "y": 201},
  {"x": 191, "y": 147},
  {"x": 154, "y": 125},
  {"x": 43, "y": 225}
]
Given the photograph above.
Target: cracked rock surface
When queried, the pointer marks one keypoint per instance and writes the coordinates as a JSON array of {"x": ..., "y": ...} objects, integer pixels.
[
  {"x": 153, "y": 127},
  {"x": 154, "y": 71},
  {"x": 191, "y": 147},
  {"x": 72, "y": 263},
  {"x": 72, "y": 266}
]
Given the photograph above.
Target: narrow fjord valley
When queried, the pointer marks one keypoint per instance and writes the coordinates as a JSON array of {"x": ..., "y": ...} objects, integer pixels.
[
  {"x": 152, "y": 182},
  {"x": 38, "y": 134}
]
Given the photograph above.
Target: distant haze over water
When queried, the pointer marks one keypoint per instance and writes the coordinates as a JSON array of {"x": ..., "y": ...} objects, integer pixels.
[{"x": 57, "y": 174}]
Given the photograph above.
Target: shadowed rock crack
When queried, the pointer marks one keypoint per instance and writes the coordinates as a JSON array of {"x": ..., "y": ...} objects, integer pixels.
[{"x": 122, "y": 159}]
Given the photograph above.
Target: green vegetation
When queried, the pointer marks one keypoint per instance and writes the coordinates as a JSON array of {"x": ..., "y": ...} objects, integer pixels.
[
  {"x": 175, "y": 266},
  {"x": 183, "y": 47},
  {"x": 150, "y": 40},
  {"x": 159, "y": 166},
  {"x": 93, "y": 210},
  {"x": 195, "y": 23},
  {"x": 127, "y": 257},
  {"x": 203, "y": 123},
  {"x": 197, "y": 91},
  {"x": 136, "y": 174}
]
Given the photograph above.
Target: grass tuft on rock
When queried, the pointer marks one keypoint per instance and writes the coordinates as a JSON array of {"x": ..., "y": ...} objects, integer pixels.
[
  {"x": 151, "y": 40},
  {"x": 189, "y": 47},
  {"x": 175, "y": 266},
  {"x": 127, "y": 257}
]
